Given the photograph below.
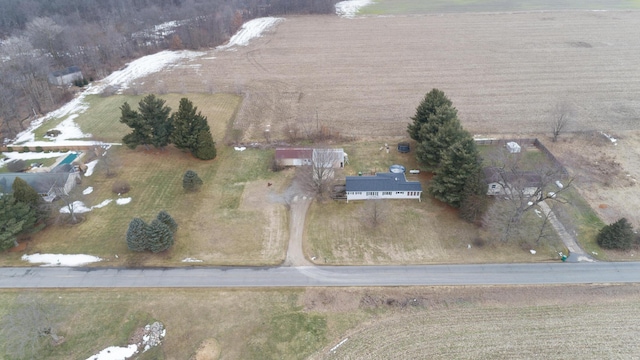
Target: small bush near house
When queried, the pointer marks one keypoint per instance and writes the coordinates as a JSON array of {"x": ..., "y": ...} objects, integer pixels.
[
  {"x": 9, "y": 149},
  {"x": 39, "y": 149},
  {"x": 618, "y": 235},
  {"x": 191, "y": 181},
  {"x": 25, "y": 149},
  {"x": 121, "y": 187},
  {"x": 17, "y": 166}
]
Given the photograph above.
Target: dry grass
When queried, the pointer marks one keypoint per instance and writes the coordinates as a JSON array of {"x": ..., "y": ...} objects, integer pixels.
[{"x": 590, "y": 321}]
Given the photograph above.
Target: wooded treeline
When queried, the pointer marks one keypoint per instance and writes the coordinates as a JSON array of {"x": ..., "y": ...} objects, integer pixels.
[{"x": 99, "y": 36}]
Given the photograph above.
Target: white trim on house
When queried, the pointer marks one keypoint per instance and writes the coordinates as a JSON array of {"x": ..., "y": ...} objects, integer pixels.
[{"x": 382, "y": 186}]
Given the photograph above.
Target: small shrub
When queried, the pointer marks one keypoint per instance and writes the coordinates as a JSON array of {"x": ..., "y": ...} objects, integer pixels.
[
  {"x": 121, "y": 187},
  {"x": 9, "y": 149},
  {"x": 478, "y": 242},
  {"x": 25, "y": 149},
  {"x": 17, "y": 166},
  {"x": 191, "y": 181},
  {"x": 618, "y": 235},
  {"x": 39, "y": 149}
]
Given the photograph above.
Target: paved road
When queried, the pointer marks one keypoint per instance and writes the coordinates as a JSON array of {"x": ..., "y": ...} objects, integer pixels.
[{"x": 491, "y": 274}]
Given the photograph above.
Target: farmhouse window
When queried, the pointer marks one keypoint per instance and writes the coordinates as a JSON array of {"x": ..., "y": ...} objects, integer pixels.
[
  {"x": 386, "y": 193},
  {"x": 399, "y": 192},
  {"x": 372, "y": 193}
]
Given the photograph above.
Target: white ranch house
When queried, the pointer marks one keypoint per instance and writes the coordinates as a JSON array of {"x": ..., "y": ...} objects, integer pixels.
[{"x": 382, "y": 186}]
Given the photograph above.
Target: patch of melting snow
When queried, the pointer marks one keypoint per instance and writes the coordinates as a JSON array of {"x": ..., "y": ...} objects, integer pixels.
[
  {"x": 102, "y": 204},
  {"x": 60, "y": 259},
  {"x": 249, "y": 31},
  {"x": 191, "y": 260},
  {"x": 349, "y": 9},
  {"x": 611, "y": 138},
  {"x": 90, "y": 166},
  {"x": 123, "y": 201},
  {"x": 153, "y": 336},
  {"x": 115, "y": 353},
  {"x": 239, "y": 148},
  {"x": 78, "y": 208},
  {"x": 533, "y": 252},
  {"x": 87, "y": 191}
]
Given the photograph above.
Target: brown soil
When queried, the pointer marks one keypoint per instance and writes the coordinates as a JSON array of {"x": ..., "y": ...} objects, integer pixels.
[{"x": 209, "y": 350}]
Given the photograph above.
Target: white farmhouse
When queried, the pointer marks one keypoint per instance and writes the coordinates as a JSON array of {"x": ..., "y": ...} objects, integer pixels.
[{"x": 382, "y": 186}]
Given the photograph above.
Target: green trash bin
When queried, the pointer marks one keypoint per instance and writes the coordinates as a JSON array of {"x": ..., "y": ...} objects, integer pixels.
[{"x": 563, "y": 257}]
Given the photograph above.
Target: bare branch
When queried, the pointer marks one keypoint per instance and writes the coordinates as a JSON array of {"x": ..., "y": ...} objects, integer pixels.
[{"x": 561, "y": 116}]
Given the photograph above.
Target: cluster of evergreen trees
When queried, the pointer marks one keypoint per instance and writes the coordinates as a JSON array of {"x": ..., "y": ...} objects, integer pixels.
[
  {"x": 154, "y": 237},
  {"x": 21, "y": 212},
  {"x": 446, "y": 148},
  {"x": 152, "y": 125}
]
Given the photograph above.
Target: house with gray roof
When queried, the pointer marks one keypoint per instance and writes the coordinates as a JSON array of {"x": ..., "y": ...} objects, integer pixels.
[
  {"x": 66, "y": 76},
  {"x": 382, "y": 186},
  {"x": 62, "y": 178}
]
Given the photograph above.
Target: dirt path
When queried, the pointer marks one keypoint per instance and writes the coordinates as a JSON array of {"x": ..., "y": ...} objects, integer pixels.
[{"x": 298, "y": 211}]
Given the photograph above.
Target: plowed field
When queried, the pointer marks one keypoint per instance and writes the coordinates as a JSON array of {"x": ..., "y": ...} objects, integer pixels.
[{"x": 365, "y": 76}]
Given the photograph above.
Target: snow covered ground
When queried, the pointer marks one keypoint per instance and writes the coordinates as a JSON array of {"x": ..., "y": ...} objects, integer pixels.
[
  {"x": 250, "y": 30},
  {"x": 350, "y": 8},
  {"x": 60, "y": 259}
]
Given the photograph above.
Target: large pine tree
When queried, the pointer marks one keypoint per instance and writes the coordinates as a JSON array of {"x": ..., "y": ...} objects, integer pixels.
[
  {"x": 442, "y": 131},
  {"x": 459, "y": 163},
  {"x": 618, "y": 235},
  {"x": 432, "y": 100},
  {"x": 15, "y": 218},
  {"x": 206, "y": 148},
  {"x": 151, "y": 124},
  {"x": 187, "y": 124}
]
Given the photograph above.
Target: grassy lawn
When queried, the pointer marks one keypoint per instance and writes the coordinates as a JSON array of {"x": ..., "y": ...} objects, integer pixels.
[
  {"x": 452, "y": 6},
  {"x": 212, "y": 227},
  {"x": 409, "y": 231}
]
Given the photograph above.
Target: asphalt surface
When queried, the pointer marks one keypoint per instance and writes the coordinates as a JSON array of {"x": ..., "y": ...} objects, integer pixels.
[{"x": 303, "y": 276}]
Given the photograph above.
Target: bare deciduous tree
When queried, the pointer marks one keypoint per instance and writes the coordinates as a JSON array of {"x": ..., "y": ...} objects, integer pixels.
[
  {"x": 522, "y": 188},
  {"x": 318, "y": 177},
  {"x": 373, "y": 213},
  {"x": 561, "y": 116}
]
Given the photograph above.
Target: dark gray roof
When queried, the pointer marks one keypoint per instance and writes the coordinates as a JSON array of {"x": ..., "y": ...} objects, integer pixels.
[
  {"x": 67, "y": 71},
  {"x": 382, "y": 182},
  {"x": 41, "y": 182},
  {"x": 523, "y": 178}
]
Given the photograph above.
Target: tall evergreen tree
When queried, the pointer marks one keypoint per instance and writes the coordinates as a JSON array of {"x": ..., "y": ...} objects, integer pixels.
[
  {"x": 154, "y": 113},
  {"x": 23, "y": 192},
  {"x": 151, "y": 124},
  {"x": 160, "y": 236},
  {"x": 459, "y": 163},
  {"x": 137, "y": 235},
  {"x": 432, "y": 100},
  {"x": 191, "y": 181},
  {"x": 206, "y": 148},
  {"x": 442, "y": 131},
  {"x": 142, "y": 131},
  {"x": 474, "y": 201},
  {"x": 15, "y": 218},
  {"x": 187, "y": 124},
  {"x": 166, "y": 219}
]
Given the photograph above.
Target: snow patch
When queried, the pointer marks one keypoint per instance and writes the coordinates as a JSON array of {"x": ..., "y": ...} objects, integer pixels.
[
  {"x": 239, "y": 148},
  {"x": 123, "y": 201},
  {"x": 60, "y": 259},
  {"x": 249, "y": 31},
  {"x": 78, "y": 208},
  {"x": 533, "y": 252},
  {"x": 191, "y": 260},
  {"x": 115, "y": 353},
  {"x": 87, "y": 191},
  {"x": 349, "y": 9},
  {"x": 559, "y": 184},
  {"x": 90, "y": 166},
  {"x": 611, "y": 138},
  {"x": 102, "y": 204}
]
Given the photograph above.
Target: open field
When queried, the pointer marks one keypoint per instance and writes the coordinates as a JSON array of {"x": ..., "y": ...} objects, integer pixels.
[
  {"x": 593, "y": 321},
  {"x": 386, "y": 7},
  {"x": 364, "y": 77}
]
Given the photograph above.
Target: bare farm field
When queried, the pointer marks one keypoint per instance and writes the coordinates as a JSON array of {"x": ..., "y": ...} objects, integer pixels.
[{"x": 364, "y": 77}]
